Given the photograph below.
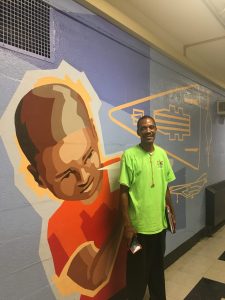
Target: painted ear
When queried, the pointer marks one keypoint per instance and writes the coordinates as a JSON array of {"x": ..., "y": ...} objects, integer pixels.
[{"x": 36, "y": 176}]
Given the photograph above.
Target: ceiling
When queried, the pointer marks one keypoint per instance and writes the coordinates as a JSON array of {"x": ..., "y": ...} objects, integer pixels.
[{"x": 190, "y": 31}]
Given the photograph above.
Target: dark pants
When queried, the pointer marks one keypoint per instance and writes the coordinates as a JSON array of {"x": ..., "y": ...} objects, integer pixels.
[{"x": 146, "y": 268}]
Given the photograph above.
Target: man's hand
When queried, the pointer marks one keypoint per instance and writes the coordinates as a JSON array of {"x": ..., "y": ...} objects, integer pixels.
[{"x": 129, "y": 232}]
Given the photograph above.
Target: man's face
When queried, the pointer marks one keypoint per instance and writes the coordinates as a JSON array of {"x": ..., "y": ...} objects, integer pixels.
[
  {"x": 69, "y": 169},
  {"x": 147, "y": 130}
]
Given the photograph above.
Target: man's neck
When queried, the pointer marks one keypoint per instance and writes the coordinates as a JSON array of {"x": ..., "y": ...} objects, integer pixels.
[{"x": 147, "y": 147}]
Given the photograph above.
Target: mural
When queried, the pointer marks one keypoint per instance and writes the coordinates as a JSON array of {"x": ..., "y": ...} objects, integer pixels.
[
  {"x": 53, "y": 136},
  {"x": 174, "y": 122},
  {"x": 179, "y": 124},
  {"x": 57, "y": 129},
  {"x": 49, "y": 232},
  {"x": 62, "y": 135},
  {"x": 184, "y": 121},
  {"x": 60, "y": 155}
]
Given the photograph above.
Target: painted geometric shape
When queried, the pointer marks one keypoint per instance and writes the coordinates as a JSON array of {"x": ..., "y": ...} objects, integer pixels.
[{"x": 178, "y": 121}]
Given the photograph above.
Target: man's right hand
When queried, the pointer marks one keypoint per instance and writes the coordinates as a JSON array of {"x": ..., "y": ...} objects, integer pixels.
[{"x": 129, "y": 232}]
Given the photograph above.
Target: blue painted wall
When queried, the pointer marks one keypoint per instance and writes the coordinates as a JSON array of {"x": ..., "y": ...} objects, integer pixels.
[{"x": 121, "y": 69}]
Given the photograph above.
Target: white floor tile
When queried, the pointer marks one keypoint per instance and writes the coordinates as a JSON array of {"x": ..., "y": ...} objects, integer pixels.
[{"x": 200, "y": 261}]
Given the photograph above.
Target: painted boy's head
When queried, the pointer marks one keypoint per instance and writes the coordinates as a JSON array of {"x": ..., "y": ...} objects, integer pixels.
[{"x": 58, "y": 138}]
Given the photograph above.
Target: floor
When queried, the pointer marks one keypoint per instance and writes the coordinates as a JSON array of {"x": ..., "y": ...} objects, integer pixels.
[{"x": 200, "y": 273}]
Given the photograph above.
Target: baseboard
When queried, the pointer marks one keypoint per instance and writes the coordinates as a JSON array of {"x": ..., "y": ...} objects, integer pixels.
[
  {"x": 183, "y": 248},
  {"x": 211, "y": 229}
]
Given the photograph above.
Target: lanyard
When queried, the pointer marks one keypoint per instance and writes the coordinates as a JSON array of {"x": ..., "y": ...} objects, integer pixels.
[{"x": 152, "y": 183}]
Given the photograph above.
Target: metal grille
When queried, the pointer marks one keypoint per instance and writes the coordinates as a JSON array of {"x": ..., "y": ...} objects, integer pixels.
[{"x": 25, "y": 25}]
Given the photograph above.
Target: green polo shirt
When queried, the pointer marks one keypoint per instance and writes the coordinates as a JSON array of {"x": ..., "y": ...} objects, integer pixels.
[{"x": 147, "y": 176}]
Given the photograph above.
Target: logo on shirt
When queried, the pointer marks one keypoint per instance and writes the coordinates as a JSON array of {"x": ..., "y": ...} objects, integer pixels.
[{"x": 160, "y": 164}]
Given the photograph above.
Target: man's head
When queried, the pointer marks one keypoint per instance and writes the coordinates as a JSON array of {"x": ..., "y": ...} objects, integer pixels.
[
  {"x": 146, "y": 129},
  {"x": 58, "y": 138}
]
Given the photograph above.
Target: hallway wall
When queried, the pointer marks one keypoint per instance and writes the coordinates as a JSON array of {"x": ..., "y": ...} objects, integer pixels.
[{"x": 118, "y": 79}]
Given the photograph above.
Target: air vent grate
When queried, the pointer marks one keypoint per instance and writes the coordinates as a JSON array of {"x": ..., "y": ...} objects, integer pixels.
[{"x": 25, "y": 25}]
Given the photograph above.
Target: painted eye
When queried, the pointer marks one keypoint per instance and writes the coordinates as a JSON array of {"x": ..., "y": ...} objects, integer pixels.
[
  {"x": 87, "y": 160},
  {"x": 90, "y": 154},
  {"x": 75, "y": 174},
  {"x": 67, "y": 175}
]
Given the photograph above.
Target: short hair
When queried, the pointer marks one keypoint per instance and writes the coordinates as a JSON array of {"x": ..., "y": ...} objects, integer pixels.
[
  {"x": 30, "y": 109},
  {"x": 23, "y": 136},
  {"x": 144, "y": 117}
]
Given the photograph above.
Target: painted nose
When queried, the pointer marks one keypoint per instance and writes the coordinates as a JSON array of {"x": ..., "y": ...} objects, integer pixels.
[{"x": 83, "y": 175}]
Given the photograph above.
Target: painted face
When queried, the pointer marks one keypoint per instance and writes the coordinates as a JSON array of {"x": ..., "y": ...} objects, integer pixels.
[
  {"x": 69, "y": 169},
  {"x": 147, "y": 130}
]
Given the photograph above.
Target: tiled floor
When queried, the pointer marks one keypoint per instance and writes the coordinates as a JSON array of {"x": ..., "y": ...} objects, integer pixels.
[{"x": 200, "y": 273}]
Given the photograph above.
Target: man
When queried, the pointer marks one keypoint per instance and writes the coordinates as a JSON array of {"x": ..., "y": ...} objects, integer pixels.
[
  {"x": 58, "y": 137},
  {"x": 144, "y": 178}
]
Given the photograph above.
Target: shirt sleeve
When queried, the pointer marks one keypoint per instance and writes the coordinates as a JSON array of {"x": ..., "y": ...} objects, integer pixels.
[
  {"x": 170, "y": 176},
  {"x": 126, "y": 173}
]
